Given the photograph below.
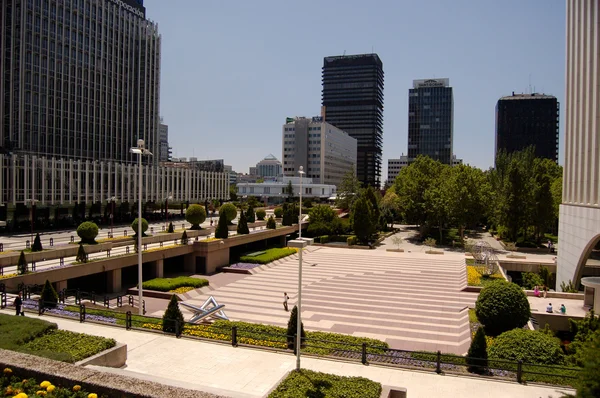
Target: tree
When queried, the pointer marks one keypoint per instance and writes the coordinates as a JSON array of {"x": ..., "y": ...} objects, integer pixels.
[
  {"x": 184, "y": 238},
  {"x": 465, "y": 196},
  {"x": 22, "y": 264},
  {"x": 48, "y": 296},
  {"x": 222, "y": 232},
  {"x": 230, "y": 212},
  {"x": 292, "y": 330},
  {"x": 134, "y": 226},
  {"x": 37, "y": 244},
  {"x": 477, "y": 355},
  {"x": 171, "y": 229},
  {"x": 323, "y": 221},
  {"x": 390, "y": 207},
  {"x": 195, "y": 215},
  {"x": 289, "y": 190},
  {"x": 502, "y": 306},
  {"x": 374, "y": 199},
  {"x": 233, "y": 193},
  {"x": 290, "y": 214},
  {"x": 250, "y": 216},
  {"x": 361, "y": 219},
  {"x": 87, "y": 231},
  {"x": 437, "y": 209},
  {"x": 348, "y": 191},
  {"x": 242, "y": 227},
  {"x": 172, "y": 320},
  {"x": 278, "y": 211},
  {"x": 271, "y": 223},
  {"x": 81, "y": 254},
  {"x": 261, "y": 214},
  {"x": 589, "y": 384}
]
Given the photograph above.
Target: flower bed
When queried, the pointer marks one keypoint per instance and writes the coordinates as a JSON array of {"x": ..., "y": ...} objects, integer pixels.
[
  {"x": 181, "y": 290},
  {"x": 306, "y": 383},
  {"x": 269, "y": 255},
  {"x": 168, "y": 284},
  {"x": 18, "y": 387},
  {"x": 475, "y": 279},
  {"x": 68, "y": 311}
]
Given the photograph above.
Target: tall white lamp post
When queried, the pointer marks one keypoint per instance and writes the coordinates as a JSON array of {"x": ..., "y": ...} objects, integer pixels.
[
  {"x": 140, "y": 150},
  {"x": 301, "y": 172}
]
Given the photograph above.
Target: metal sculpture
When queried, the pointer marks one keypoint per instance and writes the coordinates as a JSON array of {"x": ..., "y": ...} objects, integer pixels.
[
  {"x": 210, "y": 309},
  {"x": 485, "y": 257}
]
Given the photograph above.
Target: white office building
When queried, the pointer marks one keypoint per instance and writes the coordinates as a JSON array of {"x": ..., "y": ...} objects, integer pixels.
[
  {"x": 326, "y": 152},
  {"x": 275, "y": 191}
]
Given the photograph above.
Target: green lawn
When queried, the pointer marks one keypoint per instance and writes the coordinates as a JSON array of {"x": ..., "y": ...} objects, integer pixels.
[
  {"x": 268, "y": 256},
  {"x": 168, "y": 284},
  {"x": 306, "y": 383}
]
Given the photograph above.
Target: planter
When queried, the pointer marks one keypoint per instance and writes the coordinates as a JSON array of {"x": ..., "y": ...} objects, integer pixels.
[
  {"x": 434, "y": 252},
  {"x": 115, "y": 357},
  {"x": 395, "y": 250},
  {"x": 393, "y": 392}
]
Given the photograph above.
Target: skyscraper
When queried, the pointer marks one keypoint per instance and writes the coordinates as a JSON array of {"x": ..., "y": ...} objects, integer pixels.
[
  {"x": 353, "y": 102},
  {"x": 524, "y": 120},
  {"x": 431, "y": 120},
  {"x": 78, "y": 79}
]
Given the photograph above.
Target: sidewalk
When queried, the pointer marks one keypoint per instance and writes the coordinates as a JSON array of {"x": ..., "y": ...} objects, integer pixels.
[{"x": 245, "y": 372}]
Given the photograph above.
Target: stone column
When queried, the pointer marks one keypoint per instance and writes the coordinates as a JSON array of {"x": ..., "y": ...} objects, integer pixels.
[
  {"x": 113, "y": 281},
  {"x": 61, "y": 285},
  {"x": 159, "y": 268}
]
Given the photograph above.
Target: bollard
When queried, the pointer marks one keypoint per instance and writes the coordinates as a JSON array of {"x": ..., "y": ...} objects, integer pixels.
[
  {"x": 234, "y": 336},
  {"x": 119, "y": 301},
  {"x": 128, "y": 320},
  {"x": 51, "y": 242},
  {"x": 27, "y": 244},
  {"x": 77, "y": 297},
  {"x": 81, "y": 313},
  {"x": 62, "y": 261},
  {"x": 161, "y": 244},
  {"x": 151, "y": 230},
  {"x": 33, "y": 265},
  {"x": 145, "y": 246},
  {"x": 1, "y": 247},
  {"x": 364, "y": 354},
  {"x": 163, "y": 228},
  {"x": 107, "y": 252},
  {"x": 124, "y": 232},
  {"x": 130, "y": 300},
  {"x": 40, "y": 306},
  {"x": 144, "y": 307},
  {"x": 520, "y": 371},
  {"x": 127, "y": 250},
  {"x": 438, "y": 366},
  {"x": 72, "y": 239},
  {"x": 106, "y": 302}
]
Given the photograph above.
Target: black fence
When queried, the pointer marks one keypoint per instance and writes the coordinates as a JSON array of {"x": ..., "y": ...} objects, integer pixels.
[{"x": 364, "y": 353}]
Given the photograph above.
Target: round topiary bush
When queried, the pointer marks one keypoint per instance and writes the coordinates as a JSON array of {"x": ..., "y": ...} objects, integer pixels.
[
  {"x": 261, "y": 214},
  {"x": 230, "y": 212},
  {"x": 502, "y": 306},
  {"x": 134, "y": 226},
  {"x": 195, "y": 215},
  {"x": 278, "y": 212},
  {"x": 529, "y": 346},
  {"x": 87, "y": 231}
]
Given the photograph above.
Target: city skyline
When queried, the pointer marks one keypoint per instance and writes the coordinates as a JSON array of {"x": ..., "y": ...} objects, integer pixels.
[{"x": 252, "y": 78}]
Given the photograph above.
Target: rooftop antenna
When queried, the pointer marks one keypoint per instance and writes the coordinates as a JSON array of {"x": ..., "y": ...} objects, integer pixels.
[
  {"x": 343, "y": 55},
  {"x": 530, "y": 83},
  {"x": 372, "y": 49}
]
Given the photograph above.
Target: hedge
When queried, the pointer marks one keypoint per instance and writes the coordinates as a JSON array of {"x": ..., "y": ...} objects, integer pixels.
[
  {"x": 306, "y": 383},
  {"x": 270, "y": 255},
  {"x": 529, "y": 346},
  {"x": 167, "y": 284}
]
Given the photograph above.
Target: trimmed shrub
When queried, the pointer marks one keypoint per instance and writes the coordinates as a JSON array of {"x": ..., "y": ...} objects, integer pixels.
[
  {"x": 477, "y": 355},
  {"x": 242, "y": 227},
  {"x": 352, "y": 240},
  {"x": 230, "y": 212},
  {"x": 81, "y": 254},
  {"x": 168, "y": 284},
  {"x": 87, "y": 231},
  {"x": 324, "y": 239},
  {"x": 184, "y": 238},
  {"x": 134, "y": 226},
  {"x": 170, "y": 229},
  {"x": 307, "y": 383},
  {"x": 261, "y": 214},
  {"x": 531, "y": 280},
  {"x": 529, "y": 346},
  {"x": 589, "y": 384},
  {"x": 221, "y": 232},
  {"x": 22, "y": 264},
  {"x": 271, "y": 223},
  {"x": 195, "y": 215},
  {"x": 268, "y": 256},
  {"x": 292, "y": 330},
  {"x": 172, "y": 321},
  {"x": 502, "y": 306},
  {"x": 37, "y": 244},
  {"x": 278, "y": 212},
  {"x": 250, "y": 216},
  {"x": 48, "y": 296}
]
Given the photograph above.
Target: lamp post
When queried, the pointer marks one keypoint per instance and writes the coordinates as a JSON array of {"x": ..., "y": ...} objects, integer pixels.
[
  {"x": 112, "y": 213},
  {"x": 140, "y": 150},
  {"x": 301, "y": 172},
  {"x": 167, "y": 211}
]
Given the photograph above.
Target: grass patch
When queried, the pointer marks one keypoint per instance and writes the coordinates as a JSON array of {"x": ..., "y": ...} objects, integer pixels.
[
  {"x": 268, "y": 256},
  {"x": 77, "y": 345},
  {"x": 306, "y": 383},
  {"x": 168, "y": 284}
]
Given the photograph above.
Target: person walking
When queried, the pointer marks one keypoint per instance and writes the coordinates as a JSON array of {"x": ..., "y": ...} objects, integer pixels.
[
  {"x": 285, "y": 301},
  {"x": 19, "y": 306}
]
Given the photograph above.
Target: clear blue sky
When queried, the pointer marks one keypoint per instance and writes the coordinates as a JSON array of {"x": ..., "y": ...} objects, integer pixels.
[{"x": 232, "y": 71}]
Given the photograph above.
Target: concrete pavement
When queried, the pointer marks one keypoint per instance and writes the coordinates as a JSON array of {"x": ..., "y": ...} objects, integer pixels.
[{"x": 245, "y": 372}]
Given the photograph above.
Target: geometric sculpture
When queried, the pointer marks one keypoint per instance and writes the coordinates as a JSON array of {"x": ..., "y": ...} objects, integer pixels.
[
  {"x": 210, "y": 308},
  {"x": 485, "y": 258}
]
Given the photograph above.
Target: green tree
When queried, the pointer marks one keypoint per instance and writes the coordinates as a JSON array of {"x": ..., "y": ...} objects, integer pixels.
[
  {"x": 278, "y": 211},
  {"x": 230, "y": 212},
  {"x": 87, "y": 231},
  {"x": 545, "y": 171},
  {"x": 323, "y": 221},
  {"x": 271, "y": 223},
  {"x": 361, "y": 219},
  {"x": 242, "y": 227},
  {"x": 390, "y": 206},
  {"x": 477, "y": 355},
  {"x": 134, "y": 226},
  {"x": 81, "y": 254},
  {"x": 48, "y": 296},
  {"x": 250, "y": 216},
  {"x": 171, "y": 229},
  {"x": 374, "y": 198},
  {"x": 221, "y": 232},
  {"x": 37, "y": 244},
  {"x": 437, "y": 209},
  {"x": 465, "y": 192},
  {"x": 289, "y": 190},
  {"x": 233, "y": 193},
  {"x": 556, "y": 190},
  {"x": 261, "y": 214},
  {"x": 292, "y": 330},
  {"x": 22, "y": 268},
  {"x": 172, "y": 320},
  {"x": 502, "y": 306},
  {"x": 252, "y": 202},
  {"x": 348, "y": 191},
  {"x": 195, "y": 215},
  {"x": 184, "y": 238},
  {"x": 589, "y": 384},
  {"x": 290, "y": 214}
]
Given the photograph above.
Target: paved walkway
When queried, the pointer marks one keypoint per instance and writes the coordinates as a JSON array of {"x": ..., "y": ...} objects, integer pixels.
[{"x": 245, "y": 373}]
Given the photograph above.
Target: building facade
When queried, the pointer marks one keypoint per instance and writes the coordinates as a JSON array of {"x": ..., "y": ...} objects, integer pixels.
[
  {"x": 431, "y": 120},
  {"x": 275, "y": 191},
  {"x": 270, "y": 166},
  {"x": 579, "y": 214},
  {"x": 164, "y": 150},
  {"x": 79, "y": 79},
  {"x": 524, "y": 120},
  {"x": 324, "y": 151},
  {"x": 352, "y": 101}
]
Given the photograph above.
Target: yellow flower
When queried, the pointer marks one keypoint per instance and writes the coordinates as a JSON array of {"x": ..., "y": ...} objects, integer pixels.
[
  {"x": 21, "y": 395},
  {"x": 92, "y": 395},
  {"x": 7, "y": 371},
  {"x": 50, "y": 388},
  {"x": 9, "y": 390},
  {"x": 45, "y": 384},
  {"x": 76, "y": 387},
  {"x": 41, "y": 393},
  {"x": 24, "y": 381}
]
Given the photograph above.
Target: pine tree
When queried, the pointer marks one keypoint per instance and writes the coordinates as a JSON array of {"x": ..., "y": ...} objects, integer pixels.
[
  {"x": 81, "y": 254},
  {"x": 49, "y": 297},
  {"x": 172, "y": 321},
  {"x": 222, "y": 232},
  {"x": 250, "y": 215},
  {"x": 292, "y": 329},
  {"x": 477, "y": 355},
  {"x": 22, "y": 265},
  {"x": 242, "y": 227},
  {"x": 184, "y": 238},
  {"x": 271, "y": 223},
  {"x": 37, "y": 244},
  {"x": 170, "y": 229}
]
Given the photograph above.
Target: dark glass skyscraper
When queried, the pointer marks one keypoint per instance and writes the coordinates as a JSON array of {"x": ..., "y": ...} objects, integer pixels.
[
  {"x": 524, "y": 120},
  {"x": 79, "y": 79},
  {"x": 353, "y": 102},
  {"x": 431, "y": 120}
]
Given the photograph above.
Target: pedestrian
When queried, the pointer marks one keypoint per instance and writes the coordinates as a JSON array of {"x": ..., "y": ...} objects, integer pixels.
[
  {"x": 19, "y": 306},
  {"x": 549, "y": 308},
  {"x": 285, "y": 301},
  {"x": 536, "y": 291},
  {"x": 211, "y": 222},
  {"x": 563, "y": 309},
  {"x": 545, "y": 291}
]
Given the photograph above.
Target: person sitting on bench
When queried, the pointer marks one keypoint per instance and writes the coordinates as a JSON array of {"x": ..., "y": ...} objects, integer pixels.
[{"x": 549, "y": 308}]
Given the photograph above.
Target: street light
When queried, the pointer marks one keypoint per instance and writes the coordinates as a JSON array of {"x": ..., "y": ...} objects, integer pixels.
[
  {"x": 112, "y": 213},
  {"x": 167, "y": 211},
  {"x": 301, "y": 172},
  {"x": 140, "y": 150}
]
